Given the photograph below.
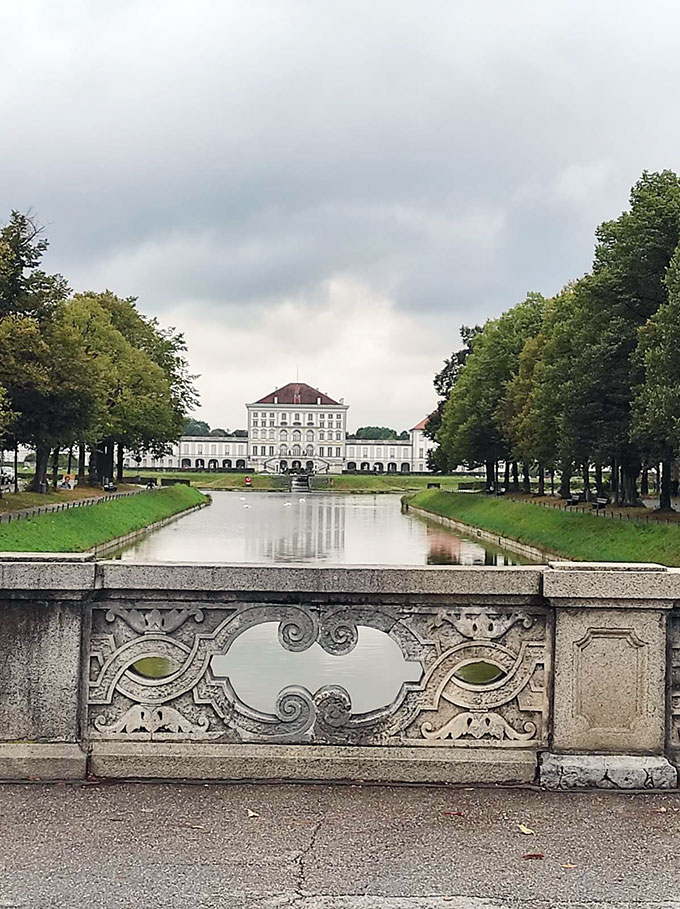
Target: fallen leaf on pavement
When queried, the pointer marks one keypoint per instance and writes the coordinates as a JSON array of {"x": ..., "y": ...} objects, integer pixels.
[
  {"x": 661, "y": 810},
  {"x": 569, "y": 865},
  {"x": 252, "y": 813},
  {"x": 453, "y": 814},
  {"x": 533, "y": 855},
  {"x": 527, "y": 831}
]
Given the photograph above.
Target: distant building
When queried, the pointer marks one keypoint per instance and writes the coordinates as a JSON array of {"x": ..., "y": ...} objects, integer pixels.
[{"x": 296, "y": 427}]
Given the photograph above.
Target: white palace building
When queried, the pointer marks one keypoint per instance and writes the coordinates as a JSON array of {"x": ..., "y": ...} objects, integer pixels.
[{"x": 295, "y": 428}]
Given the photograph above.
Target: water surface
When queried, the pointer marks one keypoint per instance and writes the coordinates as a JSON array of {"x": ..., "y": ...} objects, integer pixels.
[{"x": 316, "y": 528}]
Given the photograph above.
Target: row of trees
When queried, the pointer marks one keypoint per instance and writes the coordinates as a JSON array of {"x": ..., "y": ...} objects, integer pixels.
[
  {"x": 85, "y": 371},
  {"x": 586, "y": 381}
]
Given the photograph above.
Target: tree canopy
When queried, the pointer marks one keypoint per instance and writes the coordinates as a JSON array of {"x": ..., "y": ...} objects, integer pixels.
[
  {"x": 86, "y": 370},
  {"x": 587, "y": 378}
]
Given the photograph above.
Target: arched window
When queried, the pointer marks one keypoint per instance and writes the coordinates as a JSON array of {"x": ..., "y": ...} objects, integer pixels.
[
  {"x": 296, "y": 451},
  {"x": 309, "y": 451},
  {"x": 297, "y": 435},
  {"x": 310, "y": 435},
  {"x": 338, "y": 436},
  {"x": 283, "y": 450},
  {"x": 283, "y": 435}
]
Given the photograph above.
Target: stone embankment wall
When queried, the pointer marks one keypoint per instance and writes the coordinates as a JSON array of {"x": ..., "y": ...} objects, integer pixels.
[{"x": 585, "y": 689}]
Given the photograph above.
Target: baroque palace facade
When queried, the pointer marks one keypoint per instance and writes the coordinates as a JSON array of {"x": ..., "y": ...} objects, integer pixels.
[{"x": 296, "y": 427}]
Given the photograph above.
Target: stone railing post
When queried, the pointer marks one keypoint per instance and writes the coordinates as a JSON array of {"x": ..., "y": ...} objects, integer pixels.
[
  {"x": 43, "y": 621},
  {"x": 610, "y": 676}
]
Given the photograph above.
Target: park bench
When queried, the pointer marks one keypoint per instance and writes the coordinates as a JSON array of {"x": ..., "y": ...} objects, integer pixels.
[
  {"x": 572, "y": 501},
  {"x": 600, "y": 503},
  {"x": 110, "y": 487}
]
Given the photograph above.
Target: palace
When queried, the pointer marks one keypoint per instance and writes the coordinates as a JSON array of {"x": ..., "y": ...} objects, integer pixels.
[{"x": 296, "y": 427}]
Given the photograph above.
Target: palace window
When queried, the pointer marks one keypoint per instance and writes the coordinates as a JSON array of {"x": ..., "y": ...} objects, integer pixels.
[
  {"x": 337, "y": 452},
  {"x": 297, "y": 435},
  {"x": 310, "y": 435},
  {"x": 322, "y": 434}
]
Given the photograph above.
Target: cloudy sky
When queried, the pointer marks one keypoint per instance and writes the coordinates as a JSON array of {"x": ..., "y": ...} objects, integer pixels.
[{"x": 333, "y": 186}]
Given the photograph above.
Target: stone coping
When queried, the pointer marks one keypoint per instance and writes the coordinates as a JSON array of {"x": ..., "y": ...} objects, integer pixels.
[{"x": 570, "y": 584}]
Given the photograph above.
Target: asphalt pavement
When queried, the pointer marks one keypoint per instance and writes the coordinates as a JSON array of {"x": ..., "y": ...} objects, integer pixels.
[{"x": 274, "y": 846}]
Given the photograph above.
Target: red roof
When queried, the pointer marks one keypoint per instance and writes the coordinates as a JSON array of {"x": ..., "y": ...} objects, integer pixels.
[
  {"x": 422, "y": 424},
  {"x": 297, "y": 393}
]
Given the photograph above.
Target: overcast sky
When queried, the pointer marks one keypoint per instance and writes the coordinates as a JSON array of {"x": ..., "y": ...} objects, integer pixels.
[{"x": 330, "y": 185}]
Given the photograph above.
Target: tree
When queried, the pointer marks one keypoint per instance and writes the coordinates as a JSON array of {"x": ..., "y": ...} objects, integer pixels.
[
  {"x": 24, "y": 288},
  {"x": 471, "y": 431},
  {"x": 219, "y": 432},
  {"x": 656, "y": 404},
  {"x": 376, "y": 432},
  {"x": 195, "y": 427},
  {"x": 626, "y": 289},
  {"x": 443, "y": 382}
]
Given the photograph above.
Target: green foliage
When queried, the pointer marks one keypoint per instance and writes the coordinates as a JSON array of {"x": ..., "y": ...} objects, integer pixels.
[
  {"x": 589, "y": 376},
  {"x": 377, "y": 432},
  {"x": 571, "y": 535},
  {"x": 78, "y": 529},
  {"x": 472, "y": 430},
  {"x": 89, "y": 368},
  {"x": 195, "y": 428}
]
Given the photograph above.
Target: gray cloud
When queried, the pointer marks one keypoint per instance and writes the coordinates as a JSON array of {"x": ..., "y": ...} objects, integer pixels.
[{"x": 225, "y": 160}]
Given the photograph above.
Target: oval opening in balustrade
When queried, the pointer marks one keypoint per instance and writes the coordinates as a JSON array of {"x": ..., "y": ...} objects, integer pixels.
[
  {"x": 479, "y": 672},
  {"x": 259, "y": 668},
  {"x": 155, "y": 667}
]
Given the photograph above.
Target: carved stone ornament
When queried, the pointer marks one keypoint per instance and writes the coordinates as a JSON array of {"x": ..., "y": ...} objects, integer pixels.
[{"x": 188, "y": 701}]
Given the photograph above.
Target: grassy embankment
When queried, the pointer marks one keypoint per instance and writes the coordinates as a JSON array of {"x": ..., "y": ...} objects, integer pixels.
[
  {"x": 11, "y": 501},
  {"x": 583, "y": 537},
  {"x": 79, "y": 529},
  {"x": 369, "y": 482}
]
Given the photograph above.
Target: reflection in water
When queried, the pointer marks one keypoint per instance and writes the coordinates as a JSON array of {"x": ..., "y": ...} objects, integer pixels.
[
  {"x": 258, "y": 668},
  {"x": 319, "y": 528}
]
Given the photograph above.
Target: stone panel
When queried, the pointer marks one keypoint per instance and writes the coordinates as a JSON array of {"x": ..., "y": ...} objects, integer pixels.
[
  {"x": 609, "y": 680},
  {"x": 40, "y": 652},
  {"x": 441, "y": 710}
]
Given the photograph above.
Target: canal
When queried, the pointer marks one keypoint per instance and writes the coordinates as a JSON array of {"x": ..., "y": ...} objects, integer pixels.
[{"x": 315, "y": 528}]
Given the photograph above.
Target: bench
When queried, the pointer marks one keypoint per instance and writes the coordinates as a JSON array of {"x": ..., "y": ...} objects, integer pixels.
[
  {"x": 572, "y": 501},
  {"x": 600, "y": 503},
  {"x": 110, "y": 487}
]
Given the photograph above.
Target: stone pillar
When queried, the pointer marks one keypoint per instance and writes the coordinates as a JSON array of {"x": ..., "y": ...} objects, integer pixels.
[
  {"x": 41, "y": 690},
  {"x": 610, "y": 676}
]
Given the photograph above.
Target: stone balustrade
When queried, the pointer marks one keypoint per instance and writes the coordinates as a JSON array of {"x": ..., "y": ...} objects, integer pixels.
[{"x": 582, "y": 661}]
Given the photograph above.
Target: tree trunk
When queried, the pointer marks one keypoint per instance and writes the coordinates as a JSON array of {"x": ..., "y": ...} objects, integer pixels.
[
  {"x": 490, "y": 476},
  {"x": 665, "y": 503},
  {"x": 644, "y": 483},
  {"x": 599, "y": 486},
  {"x": 16, "y": 468},
  {"x": 515, "y": 477},
  {"x": 55, "y": 467},
  {"x": 119, "y": 462},
  {"x": 506, "y": 477},
  {"x": 586, "y": 482},
  {"x": 564, "y": 492},
  {"x": 629, "y": 475},
  {"x": 615, "y": 481},
  {"x": 552, "y": 481},
  {"x": 2, "y": 464},
  {"x": 81, "y": 463},
  {"x": 526, "y": 478},
  {"x": 541, "y": 480},
  {"x": 42, "y": 460},
  {"x": 70, "y": 460}
]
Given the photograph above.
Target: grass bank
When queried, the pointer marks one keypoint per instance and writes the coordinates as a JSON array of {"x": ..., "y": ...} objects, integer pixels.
[
  {"x": 79, "y": 529},
  {"x": 360, "y": 482},
  {"x": 583, "y": 537},
  {"x": 17, "y": 501}
]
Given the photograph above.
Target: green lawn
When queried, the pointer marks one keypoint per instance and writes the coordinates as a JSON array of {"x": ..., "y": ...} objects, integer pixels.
[
  {"x": 582, "y": 537},
  {"x": 368, "y": 482},
  {"x": 79, "y": 529}
]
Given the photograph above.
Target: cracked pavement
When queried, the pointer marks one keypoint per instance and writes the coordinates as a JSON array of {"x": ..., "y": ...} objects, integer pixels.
[{"x": 180, "y": 845}]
